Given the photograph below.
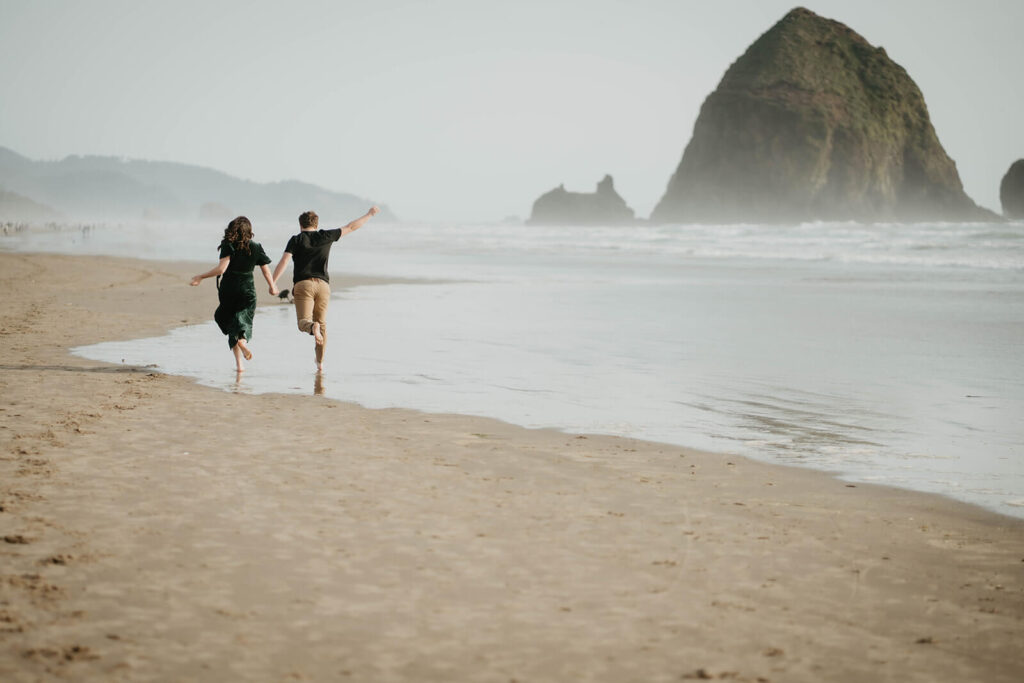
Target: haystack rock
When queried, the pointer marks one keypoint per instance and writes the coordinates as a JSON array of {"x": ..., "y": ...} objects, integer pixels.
[
  {"x": 604, "y": 207},
  {"x": 814, "y": 123},
  {"x": 1011, "y": 191}
]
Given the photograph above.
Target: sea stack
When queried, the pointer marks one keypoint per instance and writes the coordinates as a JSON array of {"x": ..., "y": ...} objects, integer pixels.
[
  {"x": 1011, "y": 191},
  {"x": 561, "y": 207},
  {"x": 814, "y": 123}
]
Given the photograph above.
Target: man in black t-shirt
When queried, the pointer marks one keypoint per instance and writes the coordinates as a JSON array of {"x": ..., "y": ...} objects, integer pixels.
[{"x": 312, "y": 291}]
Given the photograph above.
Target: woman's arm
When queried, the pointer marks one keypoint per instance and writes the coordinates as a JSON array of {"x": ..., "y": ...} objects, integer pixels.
[
  {"x": 360, "y": 222},
  {"x": 278, "y": 269},
  {"x": 265, "y": 269},
  {"x": 214, "y": 272}
]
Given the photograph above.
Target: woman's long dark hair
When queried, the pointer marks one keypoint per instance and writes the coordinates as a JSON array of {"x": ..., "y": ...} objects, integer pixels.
[{"x": 238, "y": 233}]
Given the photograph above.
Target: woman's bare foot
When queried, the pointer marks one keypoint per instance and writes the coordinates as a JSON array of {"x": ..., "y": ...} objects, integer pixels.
[
  {"x": 316, "y": 334},
  {"x": 245, "y": 349}
]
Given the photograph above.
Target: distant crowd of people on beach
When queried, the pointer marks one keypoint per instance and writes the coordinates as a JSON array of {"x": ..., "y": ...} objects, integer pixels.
[
  {"x": 16, "y": 228},
  {"x": 240, "y": 255}
]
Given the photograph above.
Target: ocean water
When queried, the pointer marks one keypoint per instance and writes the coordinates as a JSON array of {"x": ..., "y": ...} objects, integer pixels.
[{"x": 883, "y": 353}]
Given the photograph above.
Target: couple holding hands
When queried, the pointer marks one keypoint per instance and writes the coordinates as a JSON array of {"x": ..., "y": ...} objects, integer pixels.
[{"x": 236, "y": 291}]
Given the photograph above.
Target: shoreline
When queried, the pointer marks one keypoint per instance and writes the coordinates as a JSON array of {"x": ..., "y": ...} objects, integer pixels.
[
  {"x": 1000, "y": 501},
  {"x": 162, "y": 534}
]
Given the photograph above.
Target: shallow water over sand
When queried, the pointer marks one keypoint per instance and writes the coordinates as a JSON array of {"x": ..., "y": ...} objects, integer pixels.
[{"x": 895, "y": 365}]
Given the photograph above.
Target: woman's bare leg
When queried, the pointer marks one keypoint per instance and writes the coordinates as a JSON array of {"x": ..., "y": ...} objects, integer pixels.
[
  {"x": 238, "y": 357},
  {"x": 245, "y": 349}
]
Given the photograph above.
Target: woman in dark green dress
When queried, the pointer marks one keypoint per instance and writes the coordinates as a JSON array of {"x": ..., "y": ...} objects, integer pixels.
[{"x": 235, "y": 288}]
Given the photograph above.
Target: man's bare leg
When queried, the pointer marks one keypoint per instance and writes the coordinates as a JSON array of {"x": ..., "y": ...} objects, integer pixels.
[
  {"x": 318, "y": 349},
  {"x": 320, "y": 303}
]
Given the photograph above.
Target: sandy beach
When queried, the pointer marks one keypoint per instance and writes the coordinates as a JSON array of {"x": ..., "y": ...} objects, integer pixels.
[{"x": 157, "y": 530}]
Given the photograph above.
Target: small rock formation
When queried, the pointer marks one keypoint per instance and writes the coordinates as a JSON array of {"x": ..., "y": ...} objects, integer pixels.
[
  {"x": 1011, "y": 191},
  {"x": 215, "y": 211},
  {"x": 603, "y": 207},
  {"x": 814, "y": 123}
]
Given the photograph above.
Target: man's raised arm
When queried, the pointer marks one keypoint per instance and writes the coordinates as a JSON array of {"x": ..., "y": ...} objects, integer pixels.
[{"x": 360, "y": 222}]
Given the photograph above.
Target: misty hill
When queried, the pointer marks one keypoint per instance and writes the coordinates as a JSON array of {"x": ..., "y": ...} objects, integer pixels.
[
  {"x": 814, "y": 123},
  {"x": 14, "y": 207},
  {"x": 603, "y": 207},
  {"x": 109, "y": 188}
]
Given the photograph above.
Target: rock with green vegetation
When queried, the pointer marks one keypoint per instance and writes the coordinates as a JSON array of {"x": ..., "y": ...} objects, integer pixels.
[
  {"x": 1011, "y": 191},
  {"x": 814, "y": 123},
  {"x": 561, "y": 207}
]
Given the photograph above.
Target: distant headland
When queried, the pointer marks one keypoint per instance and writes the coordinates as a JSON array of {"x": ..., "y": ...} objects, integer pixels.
[{"x": 110, "y": 188}]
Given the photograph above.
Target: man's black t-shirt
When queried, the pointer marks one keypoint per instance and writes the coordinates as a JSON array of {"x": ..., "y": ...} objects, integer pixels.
[{"x": 310, "y": 249}]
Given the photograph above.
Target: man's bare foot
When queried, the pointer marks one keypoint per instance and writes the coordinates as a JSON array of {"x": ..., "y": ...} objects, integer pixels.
[
  {"x": 316, "y": 334},
  {"x": 245, "y": 349},
  {"x": 319, "y": 368}
]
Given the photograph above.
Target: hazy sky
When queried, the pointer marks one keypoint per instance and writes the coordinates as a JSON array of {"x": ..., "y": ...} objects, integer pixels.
[{"x": 454, "y": 109}]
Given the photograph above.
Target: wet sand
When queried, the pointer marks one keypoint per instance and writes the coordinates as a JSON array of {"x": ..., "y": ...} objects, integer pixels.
[{"x": 154, "y": 529}]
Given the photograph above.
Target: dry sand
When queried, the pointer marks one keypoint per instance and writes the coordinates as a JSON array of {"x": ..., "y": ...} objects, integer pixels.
[{"x": 156, "y": 530}]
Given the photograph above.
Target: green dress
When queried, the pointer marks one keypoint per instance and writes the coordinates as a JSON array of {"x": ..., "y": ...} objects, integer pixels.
[{"x": 237, "y": 292}]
